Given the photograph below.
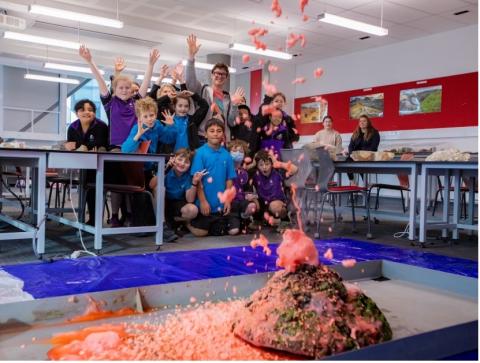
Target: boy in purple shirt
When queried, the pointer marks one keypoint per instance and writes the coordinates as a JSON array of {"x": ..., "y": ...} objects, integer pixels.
[
  {"x": 268, "y": 183},
  {"x": 245, "y": 203}
]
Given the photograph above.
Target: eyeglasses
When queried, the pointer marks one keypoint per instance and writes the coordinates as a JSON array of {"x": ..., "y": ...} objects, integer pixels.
[{"x": 220, "y": 74}]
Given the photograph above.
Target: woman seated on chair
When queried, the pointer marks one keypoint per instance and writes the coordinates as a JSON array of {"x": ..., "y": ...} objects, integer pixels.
[
  {"x": 327, "y": 138},
  {"x": 365, "y": 137}
]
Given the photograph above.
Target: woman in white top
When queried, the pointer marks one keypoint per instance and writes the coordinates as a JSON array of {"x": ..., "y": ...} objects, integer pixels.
[{"x": 327, "y": 138}]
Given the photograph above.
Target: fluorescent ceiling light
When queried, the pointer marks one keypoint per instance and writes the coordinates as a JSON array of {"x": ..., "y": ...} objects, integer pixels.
[
  {"x": 41, "y": 40},
  {"x": 267, "y": 52},
  {"x": 208, "y": 66},
  {"x": 75, "y": 16},
  {"x": 39, "y": 77},
  {"x": 352, "y": 24},
  {"x": 67, "y": 67}
]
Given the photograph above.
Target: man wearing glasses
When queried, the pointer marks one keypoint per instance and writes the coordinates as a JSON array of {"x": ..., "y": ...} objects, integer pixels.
[{"x": 222, "y": 106}]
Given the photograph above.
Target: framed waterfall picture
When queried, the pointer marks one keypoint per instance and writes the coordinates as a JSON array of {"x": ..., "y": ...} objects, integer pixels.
[{"x": 420, "y": 100}]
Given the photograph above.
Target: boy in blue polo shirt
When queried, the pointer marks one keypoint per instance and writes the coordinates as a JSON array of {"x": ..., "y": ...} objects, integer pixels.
[
  {"x": 214, "y": 159},
  {"x": 181, "y": 189}
]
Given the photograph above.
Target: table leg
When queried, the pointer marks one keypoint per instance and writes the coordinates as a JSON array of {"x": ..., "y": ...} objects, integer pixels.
[
  {"x": 471, "y": 202},
  {"x": 99, "y": 204},
  {"x": 446, "y": 202},
  {"x": 159, "y": 202},
  {"x": 41, "y": 216},
  {"x": 422, "y": 237},
  {"x": 456, "y": 202},
  {"x": 81, "y": 195},
  {"x": 412, "y": 203}
]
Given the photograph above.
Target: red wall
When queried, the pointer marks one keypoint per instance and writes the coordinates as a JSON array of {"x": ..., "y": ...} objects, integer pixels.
[
  {"x": 255, "y": 90},
  {"x": 459, "y": 106}
]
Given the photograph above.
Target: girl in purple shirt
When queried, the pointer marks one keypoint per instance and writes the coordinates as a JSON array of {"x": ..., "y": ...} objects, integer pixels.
[{"x": 120, "y": 110}]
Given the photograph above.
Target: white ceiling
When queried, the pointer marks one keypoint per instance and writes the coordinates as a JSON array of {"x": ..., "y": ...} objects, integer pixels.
[{"x": 166, "y": 23}]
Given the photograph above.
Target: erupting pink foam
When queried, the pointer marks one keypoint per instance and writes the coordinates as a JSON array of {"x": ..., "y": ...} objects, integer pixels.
[{"x": 296, "y": 249}]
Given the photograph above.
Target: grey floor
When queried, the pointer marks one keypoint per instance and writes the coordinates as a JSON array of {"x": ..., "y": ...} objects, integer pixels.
[{"x": 63, "y": 240}]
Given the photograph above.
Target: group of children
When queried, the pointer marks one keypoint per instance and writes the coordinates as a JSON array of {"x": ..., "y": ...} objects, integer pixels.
[{"x": 225, "y": 168}]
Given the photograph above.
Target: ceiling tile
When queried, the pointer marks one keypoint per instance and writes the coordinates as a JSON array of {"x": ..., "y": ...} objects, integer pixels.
[
  {"x": 431, "y": 6},
  {"x": 391, "y": 12},
  {"x": 468, "y": 19},
  {"x": 435, "y": 24}
]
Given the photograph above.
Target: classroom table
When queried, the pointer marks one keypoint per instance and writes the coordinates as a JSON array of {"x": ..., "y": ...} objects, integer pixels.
[
  {"x": 37, "y": 160},
  {"x": 420, "y": 188},
  {"x": 410, "y": 168},
  {"x": 62, "y": 159},
  {"x": 457, "y": 169}
]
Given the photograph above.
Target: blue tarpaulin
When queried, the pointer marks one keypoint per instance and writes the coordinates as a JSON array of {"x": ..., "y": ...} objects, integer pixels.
[{"x": 66, "y": 277}]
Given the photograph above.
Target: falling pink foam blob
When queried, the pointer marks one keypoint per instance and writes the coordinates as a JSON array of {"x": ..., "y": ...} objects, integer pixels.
[
  {"x": 299, "y": 80},
  {"x": 348, "y": 263},
  {"x": 328, "y": 254},
  {"x": 318, "y": 72},
  {"x": 245, "y": 58}
]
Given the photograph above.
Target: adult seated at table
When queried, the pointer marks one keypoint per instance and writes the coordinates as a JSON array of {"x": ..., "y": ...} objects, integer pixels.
[
  {"x": 327, "y": 138},
  {"x": 365, "y": 137}
]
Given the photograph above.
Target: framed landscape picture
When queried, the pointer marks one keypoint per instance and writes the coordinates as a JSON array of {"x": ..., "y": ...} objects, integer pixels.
[
  {"x": 313, "y": 112},
  {"x": 371, "y": 105},
  {"x": 420, "y": 100}
]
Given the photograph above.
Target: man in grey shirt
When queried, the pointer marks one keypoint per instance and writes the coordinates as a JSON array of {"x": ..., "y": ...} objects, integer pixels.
[{"x": 224, "y": 107}]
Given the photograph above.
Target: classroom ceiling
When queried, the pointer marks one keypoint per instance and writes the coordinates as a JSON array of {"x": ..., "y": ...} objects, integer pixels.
[{"x": 166, "y": 23}]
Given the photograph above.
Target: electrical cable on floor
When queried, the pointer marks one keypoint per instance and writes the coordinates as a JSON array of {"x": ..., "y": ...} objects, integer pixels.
[
  {"x": 402, "y": 234},
  {"x": 16, "y": 197},
  {"x": 77, "y": 253}
]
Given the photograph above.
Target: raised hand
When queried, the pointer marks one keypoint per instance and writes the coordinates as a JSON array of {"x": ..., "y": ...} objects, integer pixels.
[
  {"x": 193, "y": 47},
  {"x": 168, "y": 117},
  {"x": 141, "y": 130},
  {"x": 84, "y": 52},
  {"x": 163, "y": 72},
  {"x": 177, "y": 73},
  {"x": 119, "y": 64},
  {"x": 239, "y": 96},
  {"x": 154, "y": 55}
]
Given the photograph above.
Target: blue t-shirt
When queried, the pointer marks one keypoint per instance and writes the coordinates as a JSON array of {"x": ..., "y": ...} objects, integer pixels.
[
  {"x": 176, "y": 186},
  {"x": 220, "y": 167},
  {"x": 181, "y": 122}
]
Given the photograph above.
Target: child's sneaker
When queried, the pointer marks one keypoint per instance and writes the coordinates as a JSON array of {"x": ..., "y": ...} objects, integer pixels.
[{"x": 115, "y": 222}]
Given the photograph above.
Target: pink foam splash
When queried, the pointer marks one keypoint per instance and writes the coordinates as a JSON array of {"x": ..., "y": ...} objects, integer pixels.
[{"x": 296, "y": 249}]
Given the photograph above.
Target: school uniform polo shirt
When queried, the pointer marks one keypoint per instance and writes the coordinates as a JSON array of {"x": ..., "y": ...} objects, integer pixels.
[
  {"x": 177, "y": 185},
  {"x": 121, "y": 117},
  {"x": 269, "y": 188},
  {"x": 220, "y": 167}
]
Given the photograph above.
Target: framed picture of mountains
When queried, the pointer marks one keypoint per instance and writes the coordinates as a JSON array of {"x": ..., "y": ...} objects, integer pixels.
[
  {"x": 371, "y": 105},
  {"x": 313, "y": 112},
  {"x": 420, "y": 100}
]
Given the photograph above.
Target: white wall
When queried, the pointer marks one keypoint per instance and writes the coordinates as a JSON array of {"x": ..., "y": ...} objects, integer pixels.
[{"x": 438, "y": 55}]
